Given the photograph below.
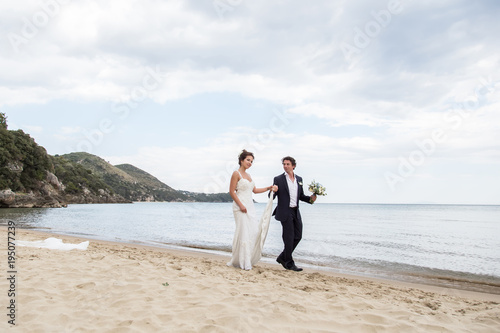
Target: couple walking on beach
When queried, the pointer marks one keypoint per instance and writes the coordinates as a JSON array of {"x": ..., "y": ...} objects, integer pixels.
[{"x": 251, "y": 232}]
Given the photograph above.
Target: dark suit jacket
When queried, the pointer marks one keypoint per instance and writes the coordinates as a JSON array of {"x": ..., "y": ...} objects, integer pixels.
[{"x": 282, "y": 210}]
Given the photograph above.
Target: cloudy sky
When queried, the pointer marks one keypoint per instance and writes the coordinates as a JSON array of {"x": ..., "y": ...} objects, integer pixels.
[{"x": 380, "y": 101}]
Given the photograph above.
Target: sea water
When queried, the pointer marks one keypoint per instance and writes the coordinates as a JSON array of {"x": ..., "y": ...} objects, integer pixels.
[{"x": 449, "y": 245}]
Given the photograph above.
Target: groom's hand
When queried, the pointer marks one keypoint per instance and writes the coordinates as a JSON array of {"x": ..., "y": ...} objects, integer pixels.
[{"x": 313, "y": 197}]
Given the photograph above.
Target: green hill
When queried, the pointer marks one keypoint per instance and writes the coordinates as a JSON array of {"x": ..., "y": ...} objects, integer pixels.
[
  {"x": 153, "y": 189},
  {"x": 137, "y": 185},
  {"x": 128, "y": 181},
  {"x": 23, "y": 163},
  {"x": 81, "y": 185},
  {"x": 29, "y": 177}
]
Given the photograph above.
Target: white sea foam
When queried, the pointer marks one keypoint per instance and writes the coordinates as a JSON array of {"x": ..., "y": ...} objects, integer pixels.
[{"x": 54, "y": 244}]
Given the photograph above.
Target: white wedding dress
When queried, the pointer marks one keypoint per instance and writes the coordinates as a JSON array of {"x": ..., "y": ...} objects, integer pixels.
[{"x": 251, "y": 232}]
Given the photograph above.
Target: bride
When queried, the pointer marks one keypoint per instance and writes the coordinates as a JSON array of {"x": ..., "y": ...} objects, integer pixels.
[{"x": 250, "y": 232}]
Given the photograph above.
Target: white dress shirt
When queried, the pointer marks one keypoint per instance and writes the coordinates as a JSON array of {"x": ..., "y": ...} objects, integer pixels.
[{"x": 293, "y": 188}]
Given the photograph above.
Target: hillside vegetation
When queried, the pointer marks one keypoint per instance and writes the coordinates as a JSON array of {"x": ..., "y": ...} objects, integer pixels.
[
  {"x": 29, "y": 177},
  {"x": 137, "y": 185},
  {"x": 23, "y": 163},
  {"x": 127, "y": 180}
]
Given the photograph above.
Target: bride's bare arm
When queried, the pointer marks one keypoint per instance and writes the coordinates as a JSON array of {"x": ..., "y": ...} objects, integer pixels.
[{"x": 265, "y": 189}]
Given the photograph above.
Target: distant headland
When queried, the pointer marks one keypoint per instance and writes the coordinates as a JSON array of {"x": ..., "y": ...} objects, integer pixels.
[{"x": 31, "y": 178}]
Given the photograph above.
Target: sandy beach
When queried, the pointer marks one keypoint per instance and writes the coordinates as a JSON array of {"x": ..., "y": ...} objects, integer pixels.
[{"x": 115, "y": 287}]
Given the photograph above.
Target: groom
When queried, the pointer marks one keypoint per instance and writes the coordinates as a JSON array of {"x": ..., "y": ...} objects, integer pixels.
[{"x": 289, "y": 193}]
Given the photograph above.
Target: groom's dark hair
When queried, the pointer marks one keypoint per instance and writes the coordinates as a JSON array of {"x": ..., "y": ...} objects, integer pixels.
[{"x": 289, "y": 158}]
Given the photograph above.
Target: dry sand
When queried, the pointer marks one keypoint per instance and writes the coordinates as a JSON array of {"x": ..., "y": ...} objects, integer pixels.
[{"x": 114, "y": 287}]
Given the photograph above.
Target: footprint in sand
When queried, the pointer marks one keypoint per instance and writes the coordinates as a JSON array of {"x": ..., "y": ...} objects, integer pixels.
[{"x": 85, "y": 286}]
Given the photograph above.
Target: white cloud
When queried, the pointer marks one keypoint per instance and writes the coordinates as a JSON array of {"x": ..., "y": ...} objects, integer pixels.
[{"x": 402, "y": 86}]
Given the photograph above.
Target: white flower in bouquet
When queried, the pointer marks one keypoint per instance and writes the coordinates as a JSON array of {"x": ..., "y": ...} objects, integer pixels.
[{"x": 317, "y": 188}]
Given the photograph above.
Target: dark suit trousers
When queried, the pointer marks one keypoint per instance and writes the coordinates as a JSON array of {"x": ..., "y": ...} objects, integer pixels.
[{"x": 292, "y": 234}]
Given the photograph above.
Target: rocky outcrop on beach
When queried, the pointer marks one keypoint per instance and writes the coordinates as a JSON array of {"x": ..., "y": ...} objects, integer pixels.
[
  {"x": 103, "y": 196},
  {"x": 50, "y": 193},
  {"x": 10, "y": 199}
]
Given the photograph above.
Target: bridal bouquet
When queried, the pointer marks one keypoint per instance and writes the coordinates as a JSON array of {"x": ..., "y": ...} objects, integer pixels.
[{"x": 317, "y": 188}]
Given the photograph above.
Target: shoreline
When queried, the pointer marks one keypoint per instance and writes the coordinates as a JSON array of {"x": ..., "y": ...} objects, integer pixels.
[
  {"x": 134, "y": 287},
  {"x": 410, "y": 278},
  {"x": 268, "y": 263}
]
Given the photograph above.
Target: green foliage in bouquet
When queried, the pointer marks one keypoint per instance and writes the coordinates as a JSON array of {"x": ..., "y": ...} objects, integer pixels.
[{"x": 317, "y": 188}]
